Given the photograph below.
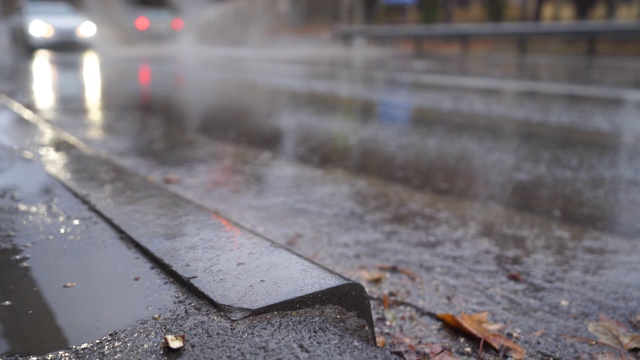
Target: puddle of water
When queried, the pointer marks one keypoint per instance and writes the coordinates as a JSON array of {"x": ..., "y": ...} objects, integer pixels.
[
  {"x": 6, "y": 120},
  {"x": 48, "y": 240}
]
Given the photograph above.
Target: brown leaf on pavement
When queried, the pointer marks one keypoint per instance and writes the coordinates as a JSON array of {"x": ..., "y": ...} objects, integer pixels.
[
  {"x": 478, "y": 326},
  {"x": 173, "y": 342},
  {"x": 515, "y": 276},
  {"x": 374, "y": 277},
  {"x": 612, "y": 333},
  {"x": 169, "y": 179},
  {"x": 395, "y": 268},
  {"x": 385, "y": 301}
]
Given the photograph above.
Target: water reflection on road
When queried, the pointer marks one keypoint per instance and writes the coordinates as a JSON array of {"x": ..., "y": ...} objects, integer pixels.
[
  {"x": 48, "y": 239},
  {"x": 72, "y": 80},
  {"x": 569, "y": 158}
]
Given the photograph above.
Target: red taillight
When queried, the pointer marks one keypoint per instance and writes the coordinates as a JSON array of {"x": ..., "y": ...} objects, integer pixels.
[
  {"x": 144, "y": 75},
  {"x": 177, "y": 24},
  {"x": 142, "y": 23}
]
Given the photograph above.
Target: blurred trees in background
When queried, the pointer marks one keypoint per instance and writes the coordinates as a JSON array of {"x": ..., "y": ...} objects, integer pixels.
[
  {"x": 495, "y": 9},
  {"x": 429, "y": 10},
  {"x": 434, "y": 11},
  {"x": 328, "y": 12}
]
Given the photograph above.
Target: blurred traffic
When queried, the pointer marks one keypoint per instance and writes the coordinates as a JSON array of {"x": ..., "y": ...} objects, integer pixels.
[{"x": 47, "y": 24}]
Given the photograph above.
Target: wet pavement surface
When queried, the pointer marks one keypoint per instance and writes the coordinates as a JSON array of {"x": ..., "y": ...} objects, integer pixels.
[
  {"x": 353, "y": 166},
  {"x": 73, "y": 287},
  {"x": 69, "y": 278}
]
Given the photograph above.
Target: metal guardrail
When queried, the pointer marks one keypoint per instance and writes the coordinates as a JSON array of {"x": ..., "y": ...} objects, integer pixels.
[{"x": 519, "y": 30}]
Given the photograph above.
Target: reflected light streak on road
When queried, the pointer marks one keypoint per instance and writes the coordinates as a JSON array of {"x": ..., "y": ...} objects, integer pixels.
[
  {"x": 144, "y": 80},
  {"x": 144, "y": 75},
  {"x": 43, "y": 73},
  {"x": 92, "y": 79},
  {"x": 229, "y": 228}
]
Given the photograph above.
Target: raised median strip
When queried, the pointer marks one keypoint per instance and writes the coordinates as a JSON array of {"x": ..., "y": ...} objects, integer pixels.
[{"x": 241, "y": 272}]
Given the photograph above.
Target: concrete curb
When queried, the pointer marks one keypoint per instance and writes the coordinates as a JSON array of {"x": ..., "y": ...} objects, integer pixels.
[{"x": 240, "y": 272}]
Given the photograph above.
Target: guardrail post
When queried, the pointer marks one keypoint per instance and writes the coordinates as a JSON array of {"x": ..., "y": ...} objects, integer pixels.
[
  {"x": 592, "y": 45},
  {"x": 419, "y": 48},
  {"x": 464, "y": 45},
  {"x": 522, "y": 45}
]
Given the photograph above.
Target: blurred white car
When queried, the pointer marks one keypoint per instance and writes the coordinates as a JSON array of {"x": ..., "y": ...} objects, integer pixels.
[{"x": 46, "y": 24}]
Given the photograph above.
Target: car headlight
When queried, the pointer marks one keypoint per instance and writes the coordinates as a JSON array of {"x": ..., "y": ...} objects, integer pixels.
[
  {"x": 87, "y": 29},
  {"x": 39, "y": 28}
]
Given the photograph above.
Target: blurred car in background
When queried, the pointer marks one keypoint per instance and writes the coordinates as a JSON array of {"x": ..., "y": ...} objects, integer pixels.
[
  {"x": 154, "y": 18},
  {"x": 48, "y": 24}
]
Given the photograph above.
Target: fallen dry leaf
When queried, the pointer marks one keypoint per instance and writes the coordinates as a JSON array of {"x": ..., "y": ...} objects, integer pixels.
[
  {"x": 381, "y": 341},
  {"x": 478, "y": 326},
  {"x": 614, "y": 334},
  {"x": 174, "y": 342},
  {"x": 515, "y": 276},
  {"x": 389, "y": 315},
  {"x": 168, "y": 179},
  {"x": 374, "y": 277},
  {"x": 385, "y": 301},
  {"x": 394, "y": 268}
]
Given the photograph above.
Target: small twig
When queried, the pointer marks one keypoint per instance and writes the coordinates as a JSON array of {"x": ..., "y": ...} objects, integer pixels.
[
  {"x": 439, "y": 353},
  {"x": 480, "y": 350},
  {"x": 421, "y": 311},
  {"x": 547, "y": 355},
  {"x": 501, "y": 352}
]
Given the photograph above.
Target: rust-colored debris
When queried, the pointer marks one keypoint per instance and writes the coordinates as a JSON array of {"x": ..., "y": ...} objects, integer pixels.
[
  {"x": 479, "y": 326},
  {"x": 168, "y": 179},
  {"x": 174, "y": 342},
  {"x": 515, "y": 276},
  {"x": 395, "y": 268}
]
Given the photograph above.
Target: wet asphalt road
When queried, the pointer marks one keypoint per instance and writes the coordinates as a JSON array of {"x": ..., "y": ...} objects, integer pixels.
[{"x": 461, "y": 170}]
